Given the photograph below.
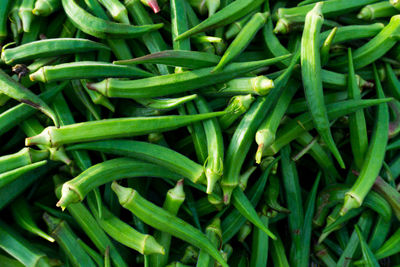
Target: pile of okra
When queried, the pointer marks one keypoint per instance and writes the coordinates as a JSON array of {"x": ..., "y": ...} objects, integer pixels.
[{"x": 199, "y": 133}]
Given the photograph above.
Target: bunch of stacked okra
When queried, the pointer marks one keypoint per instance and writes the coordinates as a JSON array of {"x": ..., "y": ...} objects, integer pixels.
[{"x": 199, "y": 133}]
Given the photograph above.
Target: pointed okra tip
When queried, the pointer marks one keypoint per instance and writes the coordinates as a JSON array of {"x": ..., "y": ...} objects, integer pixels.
[
  {"x": 123, "y": 193},
  {"x": 68, "y": 196},
  {"x": 351, "y": 201},
  {"x": 151, "y": 246},
  {"x": 38, "y": 76},
  {"x": 177, "y": 192}
]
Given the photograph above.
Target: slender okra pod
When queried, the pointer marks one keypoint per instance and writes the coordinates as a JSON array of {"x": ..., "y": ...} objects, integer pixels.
[
  {"x": 242, "y": 40},
  {"x": 85, "y": 70},
  {"x": 227, "y": 15},
  {"x": 23, "y": 157},
  {"x": 374, "y": 156},
  {"x": 172, "y": 203},
  {"x": 25, "y": 13},
  {"x": 265, "y": 134},
  {"x": 21, "y": 249},
  {"x": 10, "y": 176},
  {"x": 116, "y": 128},
  {"x": 15, "y": 90},
  {"x": 24, "y": 219},
  {"x": 326, "y": 46},
  {"x": 271, "y": 196},
  {"x": 259, "y": 85},
  {"x": 237, "y": 26},
  {"x": 76, "y": 189},
  {"x": 117, "y": 10},
  {"x": 368, "y": 256},
  {"x": 49, "y": 48},
  {"x": 4, "y": 9},
  {"x": 46, "y": 7},
  {"x": 214, "y": 234},
  {"x": 175, "y": 58},
  {"x": 178, "y": 82},
  {"x": 322, "y": 253},
  {"x": 377, "y": 10},
  {"x": 165, "y": 103},
  {"x": 164, "y": 221},
  {"x": 124, "y": 233},
  {"x": 372, "y": 50},
  {"x": 67, "y": 240},
  {"x": 215, "y": 146},
  {"x": 101, "y": 28},
  {"x": 311, "y": 73},
  {"x": 237, "y": 106},
  {"x": 357, "y": 123}
]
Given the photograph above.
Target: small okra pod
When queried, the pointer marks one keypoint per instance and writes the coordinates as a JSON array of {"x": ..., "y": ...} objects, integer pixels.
[
  {"x": 25, "y": 13},
  {"x": 237, "y": 26},
  {"x": 122, "y": 127},
  {"x": 46, "y": 7},
  {"x": 271, "y": 195},
  {"x": 259, "y": 85},
  {"x": 173, "y": 201},
  {"x": 374, "y": 156},
  {"x": 322, "y": 253},
  {"x": 4, "y": 9},
  {"x": 13, "y": 89},
  {"x": 326, "y": 46},
  {"x": 242, "y": 40},
  {"x": 228, "y": 14},
  {"x": 101, "y": 28},
  {"x": 165, "y": 103},
  {"x": 164, "y": 221},
  {"x": 49, "y": 48},
  {"x": 311, "y": 74},
  {"x": 177, "y": 82},
  {"x": 368, "y": 256},
  {"x": 389, "y": 193},
  {"x": 10, "y": 176},
  {"x": 67, "y": 240},
  {"x": 372, "y": 50},
  {"x": 21, "y": 249},
  {"x": 23, "y": 157},
  {"x": 377, "y": 10},
  {"x": 237, "y": 106},
  {"x": 85, "y": 70},
  {"x": 76, "y": 189},
  {"x": 244, "y": 231},
  {"x": 116, "y": 9},
  {"x": 23, "y": 217},
  {"x": 265, "y": 134},
  {"x": 175, "y": 58},
  {"x": 124, "y": 233},
  {"x": 214, "y": 234}
]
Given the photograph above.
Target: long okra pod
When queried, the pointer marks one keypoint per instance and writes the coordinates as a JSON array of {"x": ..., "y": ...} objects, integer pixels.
[
  {"x": 311, "y": 73},
  {"x": 165, "y": 221},
  {"x": 374, "y": 157},
  {"x": 377, "y": 10}
]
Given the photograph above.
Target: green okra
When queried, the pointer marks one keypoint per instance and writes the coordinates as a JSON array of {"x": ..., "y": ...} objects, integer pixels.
[
  {"x": 326, "y": 46},
  {"x": 178, "y": 82},
  {"x": 101, "y": 28},
  {"x": 165, "y": 103},
  {"x": 278, "y": 253},
  {"x": 260, "y": 244},
  {"x": 165, "y": 221},
  {"x": 374, "y": 156},
  {"x": 237, "y": 26},
  {"x": 379, "y": 234},
  {"x": 393, "y": 84},
  {"x": 322, "y": 253},
  {"x": 49, "y": 48},
  {"x": 46, "y": 7},
  {"x": 271, "y": 195},
  {"x": 214, "y": 234},
  {"x": 237, "y": 106},
  {"x": 377, "y": 10},
  {"x": 76, "y": 189},
  {"x": 116, "y": 128},
  {"x": 4, "y": 9},
  {"x": 259, "y": 85},
  {"x": 85, "y": 70},
  {"x": 25, "y": 13},
  {"x": 368, "y": 256},
  {"x": 300, "y": 105},
  {"x": 67, "y": 240},
  {"x": 389, "y": 193},
  {"x": 117, "y": 10},
  {"x": 22, "y": 158},
  {"x": 10, "y": 176},
  {"x": 389, "y": 248}
]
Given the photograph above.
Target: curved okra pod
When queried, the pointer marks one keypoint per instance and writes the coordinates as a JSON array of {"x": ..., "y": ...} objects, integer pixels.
[
  {"x": 175, "y": 58},
  {"x": 374, "y": 49},
  {"x": 67, "y": 240},
  {"x": 173, "y": 201},
  {"x": 13, "y": 89},
  {"x": 265, "y": 134},
  {"x": 354, "y": 32},
  {"x": 357, "y": 123},
  {"x": 21, "y": 249},
  {"x": 374, "y": 156},
  {"x": 85, "y": 70},
  {"x": 326, "y": 46},
  {"x": 76, "y": 189},
  {"x": 46, "y": 7},
  {"x": 4, "y": 9},
  {"x": 271, "y": 196},
  {"x": 214, "y": 234},
  {"x": 242, "y": 40},
  {"x": 164, "y": 221},
  {"x": 124, "y": 233},
  {"x": 311, "y": 73},
  {"x": 101, "y": 28},
  {"x": 49, "y": 48},
  {"x": 377, "y": 10},
  {"x": 23, "y": 217},
  {"x": 116, "y": 9},
  {"x": 10, "y": 176},
  {"x": 237, "y": 106},
  {"x": 228, "y": 14},
  {"x": 215, "y": 146},
  {"x": 25, "y": 13},
  {"x": 165, "y": 103},
  {"x": 116, "y": 128},
  {"x": 153, "y": 153},
  {"x": 259, "y": 85},
  {"x": 23, "y": 157},
  {"x": 178, "y": 82}
]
